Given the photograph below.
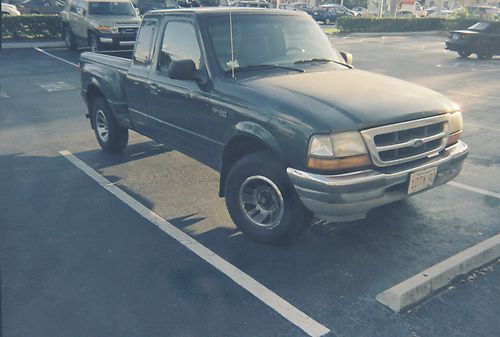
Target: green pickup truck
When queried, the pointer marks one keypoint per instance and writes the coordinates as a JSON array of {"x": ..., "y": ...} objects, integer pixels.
[{"x": 263, "y": 98}]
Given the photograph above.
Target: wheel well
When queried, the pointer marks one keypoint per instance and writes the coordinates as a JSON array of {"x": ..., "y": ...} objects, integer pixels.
[
  {"x": 92, "y": 94},
  {"x": 237, "y": 148}
]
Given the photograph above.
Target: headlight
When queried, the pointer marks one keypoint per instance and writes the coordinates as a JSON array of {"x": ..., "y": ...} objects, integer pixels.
[
  {"x": 108, "y": 29},
  {"x": 337, "y": 152},
  {"x": 455, "y": 127}
]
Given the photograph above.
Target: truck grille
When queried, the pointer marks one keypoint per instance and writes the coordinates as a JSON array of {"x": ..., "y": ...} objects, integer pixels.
[
  {"x": 127, "y": 30},
  {"x": 404, "y": 142}
]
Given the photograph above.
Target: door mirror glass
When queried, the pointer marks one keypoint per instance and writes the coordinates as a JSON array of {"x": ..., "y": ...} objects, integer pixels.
[
  {"x": 183, "y": 70},
  {"x": 347, "y": 57}
]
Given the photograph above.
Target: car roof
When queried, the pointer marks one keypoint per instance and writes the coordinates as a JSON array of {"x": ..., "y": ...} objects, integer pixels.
[{"x": 208, "y": 11}]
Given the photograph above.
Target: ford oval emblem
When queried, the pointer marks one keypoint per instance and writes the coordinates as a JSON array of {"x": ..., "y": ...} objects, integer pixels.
[{"x": 417, "y": 143}]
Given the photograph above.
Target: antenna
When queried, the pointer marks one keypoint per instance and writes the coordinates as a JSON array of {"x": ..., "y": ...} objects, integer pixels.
[{"x": 231, "y": 37}]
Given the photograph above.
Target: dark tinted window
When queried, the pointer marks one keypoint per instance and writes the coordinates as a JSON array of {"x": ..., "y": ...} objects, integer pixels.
[
  {"x": 179, "y": 43},
  {"x": 111, "y": 8},
  {"x": 144, "y": 41}
]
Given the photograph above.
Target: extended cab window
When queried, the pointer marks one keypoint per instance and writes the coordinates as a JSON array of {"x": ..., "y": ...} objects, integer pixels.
[
  {"x": 144, "y": 42},
  {"x": 179, "y": 43}
]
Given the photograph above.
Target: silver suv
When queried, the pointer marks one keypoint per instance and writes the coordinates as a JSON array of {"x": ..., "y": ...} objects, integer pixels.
[{"x": 102, "y": 24}]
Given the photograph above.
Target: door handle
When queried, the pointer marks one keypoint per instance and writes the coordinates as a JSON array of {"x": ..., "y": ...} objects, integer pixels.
[{"x": 154, "y": 88}]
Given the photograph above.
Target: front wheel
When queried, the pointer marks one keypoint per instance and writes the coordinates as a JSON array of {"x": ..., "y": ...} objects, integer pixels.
[
  {"x": 464, "y": 53},
  {"x": 112, "y": 137},
  {"x": 262, "y": 202},
  {"x": 94, "y": 42},
  {"x": 69, "y": 38}
]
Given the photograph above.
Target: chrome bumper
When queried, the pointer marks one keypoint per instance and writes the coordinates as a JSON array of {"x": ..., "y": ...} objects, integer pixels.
[{"x": 349, "y": 196}]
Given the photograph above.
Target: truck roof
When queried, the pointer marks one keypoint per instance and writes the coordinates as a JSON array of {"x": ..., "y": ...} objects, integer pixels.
[
  {"x": 223, "y": 10},
  {"x": 107, "y": 0}
]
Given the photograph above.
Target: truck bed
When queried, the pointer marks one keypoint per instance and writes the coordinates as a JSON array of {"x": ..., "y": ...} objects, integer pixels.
[{"x": 114, "y": 60}]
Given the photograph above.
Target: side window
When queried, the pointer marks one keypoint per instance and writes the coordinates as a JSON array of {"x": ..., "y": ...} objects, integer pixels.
[
  {"x": 73, "y": 6},
  {"x": 144, "y": 42},
  {"x": 179, "y": 43}
]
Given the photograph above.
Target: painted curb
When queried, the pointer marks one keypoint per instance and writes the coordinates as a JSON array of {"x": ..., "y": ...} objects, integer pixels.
[
  {"x": 32, "y": 44},
  {"x": 426, "y": 283}
]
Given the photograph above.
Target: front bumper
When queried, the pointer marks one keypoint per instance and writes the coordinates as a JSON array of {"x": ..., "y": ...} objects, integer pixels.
[
  {"x": 118, "y": 40},
  {"x": 349, "y": 196}
]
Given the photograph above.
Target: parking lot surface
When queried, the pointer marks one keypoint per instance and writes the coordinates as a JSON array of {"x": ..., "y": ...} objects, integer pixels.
[{"x": 77, "y": 261}]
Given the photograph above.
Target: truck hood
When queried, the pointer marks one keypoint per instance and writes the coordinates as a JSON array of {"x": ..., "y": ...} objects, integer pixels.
[
  {"x": 114, "y": 20},
  {"x": 352, "y": 99}
]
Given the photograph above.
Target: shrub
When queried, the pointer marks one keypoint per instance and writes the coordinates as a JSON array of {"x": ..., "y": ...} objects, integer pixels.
[
  {"x": 28, "y": 27},
  {"x": 350, "y": 24}
]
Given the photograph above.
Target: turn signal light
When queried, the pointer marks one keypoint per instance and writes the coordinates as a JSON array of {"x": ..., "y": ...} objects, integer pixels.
[
  {"x": 339, "y": 163},
  {"x": 454, "y": 137}
]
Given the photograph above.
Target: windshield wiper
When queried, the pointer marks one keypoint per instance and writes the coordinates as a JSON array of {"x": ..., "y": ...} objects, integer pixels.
[
  {"x": 314, "y": 60},
  {"x": 263, "y": 67}
]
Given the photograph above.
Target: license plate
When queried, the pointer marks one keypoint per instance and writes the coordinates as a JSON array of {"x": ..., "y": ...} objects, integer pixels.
[{"x": 421, "y": 179}]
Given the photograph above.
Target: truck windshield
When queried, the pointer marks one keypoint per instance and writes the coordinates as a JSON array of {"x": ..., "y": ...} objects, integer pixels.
[
  {"x": 111, "y": 8},
  {"x": 261, "y": 39}
]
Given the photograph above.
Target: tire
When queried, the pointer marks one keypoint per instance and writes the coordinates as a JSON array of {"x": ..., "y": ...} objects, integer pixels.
[
  {"x": 484, "y": 56},
  {"x": 94, "y": 43},
  {"x": 260, "y": 180},
  {"x": 112, "y": 137},
  {"x": 464, "y": 53},
  {"x": 69, "y": 38}
]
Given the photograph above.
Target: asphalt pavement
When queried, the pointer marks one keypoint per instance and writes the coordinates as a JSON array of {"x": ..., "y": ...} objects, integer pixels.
[{"x": 77, "y": 261}]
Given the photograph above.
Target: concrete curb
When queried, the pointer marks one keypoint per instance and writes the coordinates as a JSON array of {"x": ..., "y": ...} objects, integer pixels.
[
  {"x": 32, "y": 44},
  {"x": 424, "y": 284},
  {"x": 375, "y": 34}
]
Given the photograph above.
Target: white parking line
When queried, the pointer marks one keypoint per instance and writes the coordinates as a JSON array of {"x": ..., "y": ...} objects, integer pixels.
[
  {"x": 475, "y": 189},
  {"x": 271, "y": 299},
  {"x": 57, "y": 58}
]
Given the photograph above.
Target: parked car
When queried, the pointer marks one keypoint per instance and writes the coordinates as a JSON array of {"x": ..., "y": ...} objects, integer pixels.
[
  {"x": 40, "y": 6},
  {"x": 329, "y": 14},
  {"x": 253, "y": 4},
  {"x": 411, "y": 6},
  {"x": 302, "y": 6},
  {"x": 360, "y": 11},
  {"x": 287, "y": 7},
  {"x": 482, "y": 39},
  {"x": 8, "y": 9},
  {"x": 267, "y": 102},
  {"x": 100, "y": 23}
]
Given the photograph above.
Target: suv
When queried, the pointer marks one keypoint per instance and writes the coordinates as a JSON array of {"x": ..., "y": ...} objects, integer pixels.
[
  {"x": 100, "y": 24},
  {"x": 329, "y": 14}
]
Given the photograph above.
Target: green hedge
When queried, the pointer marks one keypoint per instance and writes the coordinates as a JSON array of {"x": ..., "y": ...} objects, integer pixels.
[
  {"x": 349, "y": 24},
  {"x": 28, "y": 27}
]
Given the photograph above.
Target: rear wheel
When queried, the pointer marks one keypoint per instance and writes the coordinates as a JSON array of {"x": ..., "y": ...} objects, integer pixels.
[
  {"x": 464, "y": 53},
  {"x": 69, "y": 38},
  {"x": 112, "y": 137},
  {"x": 262, "y": 202},
  {"x": 484, "y": 55}
]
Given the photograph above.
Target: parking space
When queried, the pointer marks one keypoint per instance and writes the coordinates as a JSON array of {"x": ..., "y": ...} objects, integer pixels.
[{"x": 71, "y": 249}]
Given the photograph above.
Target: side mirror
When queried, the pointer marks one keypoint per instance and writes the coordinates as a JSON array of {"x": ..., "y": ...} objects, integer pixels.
[
  {"x": 183, "y": 70},
  {"x": 347, "y": 57}
]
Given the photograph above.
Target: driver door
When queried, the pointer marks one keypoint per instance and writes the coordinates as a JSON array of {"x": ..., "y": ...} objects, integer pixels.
[{"x": 180, "y": 110}]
